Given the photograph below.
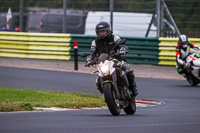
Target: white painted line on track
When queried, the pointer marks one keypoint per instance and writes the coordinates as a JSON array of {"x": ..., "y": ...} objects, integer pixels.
[{"x": 139, "y": 103}]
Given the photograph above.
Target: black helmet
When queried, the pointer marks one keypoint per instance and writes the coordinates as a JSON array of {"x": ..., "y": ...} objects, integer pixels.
[
  {"x": 103, "y": 26},
  {"x": 183, "y": 40}
]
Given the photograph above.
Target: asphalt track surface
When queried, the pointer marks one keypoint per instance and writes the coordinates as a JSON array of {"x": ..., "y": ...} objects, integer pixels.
[{"x": 179, "y": 112}]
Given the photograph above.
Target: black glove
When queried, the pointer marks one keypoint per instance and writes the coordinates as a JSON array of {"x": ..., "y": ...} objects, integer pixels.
[
  {"x": 123, "y": 50},
  {"x": 89, "y": 62}
]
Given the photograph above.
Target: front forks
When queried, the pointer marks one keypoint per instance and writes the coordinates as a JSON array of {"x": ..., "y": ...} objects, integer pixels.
[
  {"x": 100, "y": 83},
  {"x": 126, "y": 84}
]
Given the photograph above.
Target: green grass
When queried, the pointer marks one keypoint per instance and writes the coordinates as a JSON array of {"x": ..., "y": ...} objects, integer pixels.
[{"x": 25, "y": 100}]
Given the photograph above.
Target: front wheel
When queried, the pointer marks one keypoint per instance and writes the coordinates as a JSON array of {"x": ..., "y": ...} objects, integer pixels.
[
  {"x": 111, "y": 99},
  {"x": 191, "y": 80},
  {"x": 131, "y": 108}
]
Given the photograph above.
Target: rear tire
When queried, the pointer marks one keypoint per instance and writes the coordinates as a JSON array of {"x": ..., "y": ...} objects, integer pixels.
[
  {"x": 111, "y": 99},
  {"x": 131, "y": 108}
]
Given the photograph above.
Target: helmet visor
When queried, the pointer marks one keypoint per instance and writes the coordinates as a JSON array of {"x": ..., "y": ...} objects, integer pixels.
[
  {"x": 184, "y": 44},
  {"x": 101, "y": 33}
]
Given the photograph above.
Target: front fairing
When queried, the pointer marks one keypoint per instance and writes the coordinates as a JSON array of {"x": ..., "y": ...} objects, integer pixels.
[
  {"x": 194, "y": 58},
  {"x": 104, "y": 64},
  {"x": 196, "y": 63}
]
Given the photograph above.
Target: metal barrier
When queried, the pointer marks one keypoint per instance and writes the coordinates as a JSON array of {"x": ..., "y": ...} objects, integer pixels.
[
  {"x": 141, "y": 50},
  {"x": 35, "y": 45},
  {"x": 167, "y": 47},
  {"x": 60, "y": 46}
]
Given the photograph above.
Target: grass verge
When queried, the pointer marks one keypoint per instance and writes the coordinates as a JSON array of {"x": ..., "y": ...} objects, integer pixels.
[{"x": 25, "y": 100}]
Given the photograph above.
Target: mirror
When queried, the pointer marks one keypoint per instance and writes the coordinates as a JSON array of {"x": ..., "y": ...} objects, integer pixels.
[
  {"x": 84, "y": 54},
  {"x": 121, "y": 41}
]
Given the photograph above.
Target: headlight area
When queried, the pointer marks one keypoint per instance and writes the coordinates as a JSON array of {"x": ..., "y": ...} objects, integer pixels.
[{"x": 105, "y": 69}]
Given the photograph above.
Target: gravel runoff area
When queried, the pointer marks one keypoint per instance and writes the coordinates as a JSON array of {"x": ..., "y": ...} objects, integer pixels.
[{"x": 150, "y": 71}]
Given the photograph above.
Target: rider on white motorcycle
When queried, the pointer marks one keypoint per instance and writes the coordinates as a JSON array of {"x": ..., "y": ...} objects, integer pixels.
[
  {"x": 104, "y": 43},
  {"x": 182, "y": 51}
]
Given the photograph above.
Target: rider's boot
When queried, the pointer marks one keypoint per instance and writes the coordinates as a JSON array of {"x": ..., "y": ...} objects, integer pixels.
[
  {"x": 134, "y": 90},
  {"x": 132, "y": 83}
]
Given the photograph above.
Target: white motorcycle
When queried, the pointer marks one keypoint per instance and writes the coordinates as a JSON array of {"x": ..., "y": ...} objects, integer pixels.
[
  {"x": 192, "y": 68},
  {"x": 114, "y": 84}
]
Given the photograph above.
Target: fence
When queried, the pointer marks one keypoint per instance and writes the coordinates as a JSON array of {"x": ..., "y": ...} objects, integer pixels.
[
  {"x": 186, "y": 18},
  {"x": 188, "y": 33}
]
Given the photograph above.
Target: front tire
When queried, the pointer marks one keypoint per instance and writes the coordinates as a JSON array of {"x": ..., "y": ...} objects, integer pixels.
[
  {"x": 111, "y": 99},
  {"x": 131, "y": 108},
  {"x": 191, "y": 80}
]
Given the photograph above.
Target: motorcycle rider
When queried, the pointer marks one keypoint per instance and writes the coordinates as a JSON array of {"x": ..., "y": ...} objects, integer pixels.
[
  {"x": 104, "y": 43},
  {"x": 182, "y": 51}
]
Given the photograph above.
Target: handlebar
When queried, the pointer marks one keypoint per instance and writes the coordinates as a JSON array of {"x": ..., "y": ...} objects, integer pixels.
[
  {"x": 112, "y": 53},
  {"x": 89, "y": 63}
]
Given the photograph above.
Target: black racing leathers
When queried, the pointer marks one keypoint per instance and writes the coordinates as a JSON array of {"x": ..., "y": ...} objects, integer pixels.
[{"x": 105, "y": 46}]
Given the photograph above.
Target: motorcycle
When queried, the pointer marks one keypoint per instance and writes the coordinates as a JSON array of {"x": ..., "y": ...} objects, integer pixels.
[
  {"x": 192, "y": 68},
  {"x": 114, "y": 83}
]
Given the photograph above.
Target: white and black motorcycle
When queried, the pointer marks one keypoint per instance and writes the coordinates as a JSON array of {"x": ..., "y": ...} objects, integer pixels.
[
  {"x": 192, "y": 68},
  {"x": 114, "y": 84}
]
